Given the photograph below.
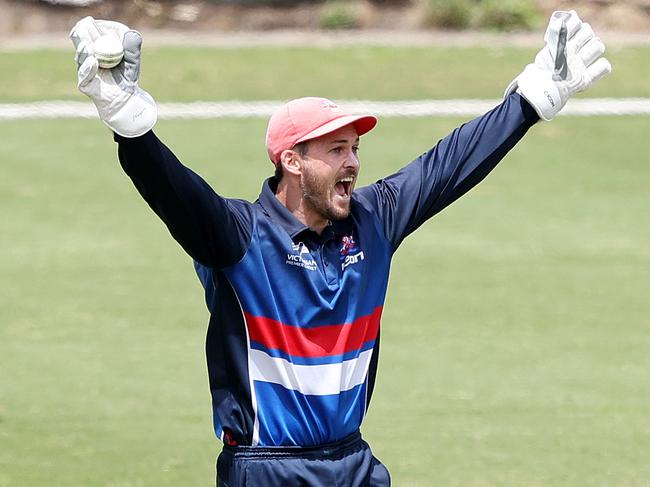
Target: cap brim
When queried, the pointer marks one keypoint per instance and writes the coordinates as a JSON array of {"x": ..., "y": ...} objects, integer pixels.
[{"x": 362, "y": 124}]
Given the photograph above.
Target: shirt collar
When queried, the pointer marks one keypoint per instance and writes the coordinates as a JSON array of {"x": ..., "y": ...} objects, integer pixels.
[{"x": 280, "y": 214}]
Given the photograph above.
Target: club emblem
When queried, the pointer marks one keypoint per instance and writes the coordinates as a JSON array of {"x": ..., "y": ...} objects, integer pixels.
[
  {"x": 350, "y": 253},
  {"x": 347, "y": 245}
]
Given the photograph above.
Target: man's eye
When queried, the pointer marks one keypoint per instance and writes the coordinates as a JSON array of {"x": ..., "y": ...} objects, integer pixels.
[
  {"x": 355, "y": 149},
  {"x": 336, "y": 150}
]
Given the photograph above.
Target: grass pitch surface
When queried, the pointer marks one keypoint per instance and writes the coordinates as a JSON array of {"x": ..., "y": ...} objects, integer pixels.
[
  {"x": 514, "y": 342},
  {"x": 189, "y": 74},
  {"x": 514, "y": 339}
]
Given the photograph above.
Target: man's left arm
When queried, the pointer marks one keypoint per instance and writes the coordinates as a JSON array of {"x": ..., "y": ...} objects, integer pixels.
[
  {"x": 570, "y": 62},
  {"x": 456, "y": 164}
]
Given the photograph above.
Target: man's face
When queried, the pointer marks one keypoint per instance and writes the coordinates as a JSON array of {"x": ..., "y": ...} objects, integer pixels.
[{"x": 329, "y": 173}]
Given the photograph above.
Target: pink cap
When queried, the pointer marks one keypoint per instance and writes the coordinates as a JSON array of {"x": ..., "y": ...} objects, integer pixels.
[{"x": 308, "y": 118}]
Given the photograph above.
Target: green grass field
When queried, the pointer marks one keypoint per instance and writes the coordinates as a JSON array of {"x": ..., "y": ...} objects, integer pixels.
[
  {"x": 182, "y": 74},
  {"x": 515, "y": 337}
]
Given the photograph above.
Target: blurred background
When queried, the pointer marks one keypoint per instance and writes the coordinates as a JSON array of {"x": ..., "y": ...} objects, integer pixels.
[
  {"x": 234, "y": 15},
  {"x": 516, "y": 334}
]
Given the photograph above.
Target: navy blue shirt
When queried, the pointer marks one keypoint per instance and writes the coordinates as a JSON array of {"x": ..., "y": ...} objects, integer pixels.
[{"x": 293, "y": 340}]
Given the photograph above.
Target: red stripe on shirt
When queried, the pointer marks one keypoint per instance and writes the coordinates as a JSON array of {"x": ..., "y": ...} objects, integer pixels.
[{"x": 317, "y": 341}]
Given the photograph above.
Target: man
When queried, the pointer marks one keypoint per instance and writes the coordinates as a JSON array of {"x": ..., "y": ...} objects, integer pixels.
[{"x": 295, "y": 282}]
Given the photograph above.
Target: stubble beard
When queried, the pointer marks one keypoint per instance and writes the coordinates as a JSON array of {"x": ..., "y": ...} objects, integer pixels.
[{"x": 316, "y": 193}]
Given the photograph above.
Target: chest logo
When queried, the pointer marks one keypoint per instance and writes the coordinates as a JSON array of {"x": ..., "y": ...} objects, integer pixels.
[
  {"x": 301, "y": 257},
  {"x": 349, "y": 253}
]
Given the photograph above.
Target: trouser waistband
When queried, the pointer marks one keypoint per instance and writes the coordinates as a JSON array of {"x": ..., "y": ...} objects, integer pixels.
[{"x": 325, "y": 450}]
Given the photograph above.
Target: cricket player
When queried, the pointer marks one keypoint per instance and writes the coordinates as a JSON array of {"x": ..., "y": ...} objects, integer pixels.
[{"x": 295, "y": 281}]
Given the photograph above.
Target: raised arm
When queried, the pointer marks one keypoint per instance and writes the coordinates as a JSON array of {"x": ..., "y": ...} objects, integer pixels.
[
  {"x": 570, "y": 62},
  {"x": 215, "y": 231},
  {"x": 457, "y": 163}
]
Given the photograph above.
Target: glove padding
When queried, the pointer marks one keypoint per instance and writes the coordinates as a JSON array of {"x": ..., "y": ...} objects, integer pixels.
[
  {"x": 122, "y": 105},
  {"x": 569, "y": 63}
]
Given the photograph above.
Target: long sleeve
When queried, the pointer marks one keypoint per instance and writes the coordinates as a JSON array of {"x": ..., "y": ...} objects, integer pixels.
[
  {"x": 457, "y": 163},
  {"x": 213, "y": 230}
]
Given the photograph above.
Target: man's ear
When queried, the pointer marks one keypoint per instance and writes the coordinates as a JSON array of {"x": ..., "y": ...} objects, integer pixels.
[{"x": 291, "y": 162}]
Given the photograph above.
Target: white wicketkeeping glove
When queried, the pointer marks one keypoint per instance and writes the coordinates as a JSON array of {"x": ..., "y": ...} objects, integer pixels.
[
  {"x": 570, "y": 62},
  {"x": 122, "y": 105}
]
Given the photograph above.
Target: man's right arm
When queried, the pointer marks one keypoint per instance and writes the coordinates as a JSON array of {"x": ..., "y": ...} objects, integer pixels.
[{"x": 213, "y": 230}]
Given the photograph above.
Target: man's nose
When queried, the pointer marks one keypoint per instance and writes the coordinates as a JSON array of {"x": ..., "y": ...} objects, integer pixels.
[{"x": 352, "y": 160}]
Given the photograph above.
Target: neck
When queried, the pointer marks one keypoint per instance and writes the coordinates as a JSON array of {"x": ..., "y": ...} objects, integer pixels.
[{"x": 291, "y": 197}]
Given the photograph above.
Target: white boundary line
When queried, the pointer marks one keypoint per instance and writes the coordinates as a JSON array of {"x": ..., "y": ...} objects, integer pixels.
[{"x": 249, "y": 109}]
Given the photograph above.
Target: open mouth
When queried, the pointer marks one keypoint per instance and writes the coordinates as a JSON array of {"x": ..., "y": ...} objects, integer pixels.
[{"x": 344, "y": 186}]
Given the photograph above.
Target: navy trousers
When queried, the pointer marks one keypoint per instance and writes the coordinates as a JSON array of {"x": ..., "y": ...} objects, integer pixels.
[{"x": 347, "y": 463}]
